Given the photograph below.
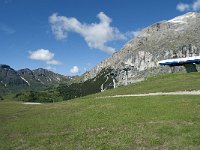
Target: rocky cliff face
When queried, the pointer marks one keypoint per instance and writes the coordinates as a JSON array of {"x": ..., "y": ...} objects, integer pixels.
[{"x": 180, "y": 36}]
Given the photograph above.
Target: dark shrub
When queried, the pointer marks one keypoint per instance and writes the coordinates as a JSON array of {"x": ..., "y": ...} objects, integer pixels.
[{"x": 1, "y": 98}]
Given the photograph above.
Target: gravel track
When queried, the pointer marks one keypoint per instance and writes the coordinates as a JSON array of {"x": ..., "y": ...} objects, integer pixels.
[
  {"x": 157, "y": 94},
  {"x": 31, "y": 103}
]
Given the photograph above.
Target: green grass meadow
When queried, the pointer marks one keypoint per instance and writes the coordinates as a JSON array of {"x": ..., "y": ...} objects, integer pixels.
[{"x": 152, "y": 122}]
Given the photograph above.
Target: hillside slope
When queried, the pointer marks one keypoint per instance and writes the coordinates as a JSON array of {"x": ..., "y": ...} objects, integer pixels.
[{"x": 160, "y": 83}]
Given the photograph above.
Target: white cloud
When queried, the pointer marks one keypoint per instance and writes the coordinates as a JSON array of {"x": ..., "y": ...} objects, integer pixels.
[
  {"x": 133, "y": 34},
  {"x": 195, "y": 6},
  {"x": 183, "y": 7},
  {"x": 53, "y": 62},
  {"x": 41, "y": 54},
  {"x": 51, "y": 68},
  {"x": 97, "y": 35},
  {"x": 74, "y": 70},
  {"x": 44, "y": 55}
]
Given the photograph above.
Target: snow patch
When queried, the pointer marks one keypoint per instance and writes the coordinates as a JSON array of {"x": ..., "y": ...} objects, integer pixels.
[
  {"x": 177, "y": 20},
  {"x": 58, "y": 78},
  {"x": 3, "y": 83},
  {"x": 182, "y": 19},
  {"x": 25, "y": 81},
  {"x": 49, "y": 79},
  {"x": 40, "y": 81}
]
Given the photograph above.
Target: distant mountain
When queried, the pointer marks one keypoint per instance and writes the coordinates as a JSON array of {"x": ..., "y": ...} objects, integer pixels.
[
  {"x": 42, "y": 76},
  {"x": 180, "y": 36},
  {"x": 12, "y": 81},
  {"x": 69, "y": 91}
]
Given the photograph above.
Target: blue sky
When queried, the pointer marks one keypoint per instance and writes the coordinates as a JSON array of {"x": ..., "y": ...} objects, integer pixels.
[{"x": 71, "y": 36}]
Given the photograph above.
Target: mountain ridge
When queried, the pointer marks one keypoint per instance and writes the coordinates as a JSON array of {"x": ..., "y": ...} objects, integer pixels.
[{"x": 25, "y": 79}]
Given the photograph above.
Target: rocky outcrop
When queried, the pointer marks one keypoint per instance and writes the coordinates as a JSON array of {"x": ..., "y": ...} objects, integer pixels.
[{"x": 162, "y": 40}]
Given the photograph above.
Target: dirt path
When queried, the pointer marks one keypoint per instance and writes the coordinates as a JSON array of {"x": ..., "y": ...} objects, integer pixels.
[{"x": 158, "y": 93}]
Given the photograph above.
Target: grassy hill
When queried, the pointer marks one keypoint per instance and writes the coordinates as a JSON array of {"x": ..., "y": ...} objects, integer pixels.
[
  {"x": 156, "y": 122},
  {"x": 162, "y": 83}
]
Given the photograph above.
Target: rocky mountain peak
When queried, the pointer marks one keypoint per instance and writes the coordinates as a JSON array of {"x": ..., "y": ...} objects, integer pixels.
[
  {"x": 156, "y": 42},
  {"x": 43, "y": 71},
  {"x": 180, "y": 23},
  {"x": 4, "y": 66},
  {"x": 25, "y": 71}
]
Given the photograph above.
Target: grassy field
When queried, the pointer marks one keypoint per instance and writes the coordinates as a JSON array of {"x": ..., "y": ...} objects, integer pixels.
[{"x": 156, "y": 122}]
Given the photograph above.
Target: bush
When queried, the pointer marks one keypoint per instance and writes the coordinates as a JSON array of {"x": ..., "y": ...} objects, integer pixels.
[
  {"x": 1, "y": 98},
  {"x": 49, "y": 96}
]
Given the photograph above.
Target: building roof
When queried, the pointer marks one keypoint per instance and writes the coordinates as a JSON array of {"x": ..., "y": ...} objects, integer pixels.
[{"x": 180, "y": 61}]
